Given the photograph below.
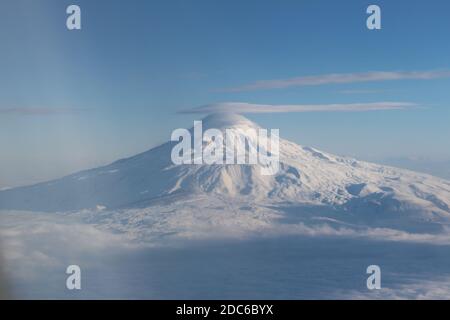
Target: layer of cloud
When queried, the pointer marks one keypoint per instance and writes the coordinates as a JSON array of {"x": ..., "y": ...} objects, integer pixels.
[
  {"x": 38, "y": 111},
  {"x": 418, "y": 289},
  {"x": 38, "y": 247},
  {"x": 340, "y": 78},
  {"x": 242, "y": 107},
  {"x": 360, "y": 91}
]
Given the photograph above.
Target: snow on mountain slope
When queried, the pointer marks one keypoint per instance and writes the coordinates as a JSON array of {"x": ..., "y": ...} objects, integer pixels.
[{"x": 310, "y": 184}]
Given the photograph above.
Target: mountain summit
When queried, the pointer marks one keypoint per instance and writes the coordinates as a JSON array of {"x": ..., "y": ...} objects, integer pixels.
[{"x": 308, "y": 179}]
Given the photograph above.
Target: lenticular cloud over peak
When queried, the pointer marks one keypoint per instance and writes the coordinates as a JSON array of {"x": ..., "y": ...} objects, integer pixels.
[
  {"x": 223, "y": 120},
  {"x": 243, "y": 107}
]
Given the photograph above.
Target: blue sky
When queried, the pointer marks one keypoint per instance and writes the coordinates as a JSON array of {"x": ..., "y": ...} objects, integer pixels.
[{"x": 115, "y": 87}]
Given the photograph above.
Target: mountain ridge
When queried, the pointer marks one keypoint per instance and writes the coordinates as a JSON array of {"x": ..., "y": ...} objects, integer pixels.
[{"x": 307, "y": 178}]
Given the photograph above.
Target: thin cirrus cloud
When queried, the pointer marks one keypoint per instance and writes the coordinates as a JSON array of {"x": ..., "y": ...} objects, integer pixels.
[
  {"x": 242, "y": 107},
  {"x": 340, "y": 78},
  {"x": 37, "y": 111}
]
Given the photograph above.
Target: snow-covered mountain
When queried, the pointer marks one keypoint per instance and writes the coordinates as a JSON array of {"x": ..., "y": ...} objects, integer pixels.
[{"x": 310, "y": 183}]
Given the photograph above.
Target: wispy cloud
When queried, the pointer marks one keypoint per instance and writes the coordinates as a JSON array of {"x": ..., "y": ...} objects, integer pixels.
[
  {"x": 360, "y": 91},
  {"x": 242, "y": 107},
  {"x": 38, "y": 111},
  {"x": 340, "y": 78},
  {"x": 436, "y": 288}
]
